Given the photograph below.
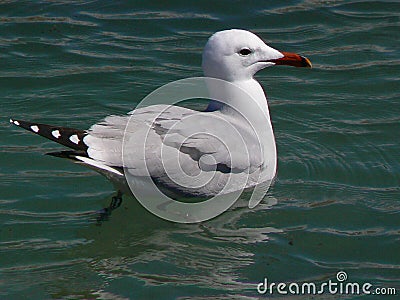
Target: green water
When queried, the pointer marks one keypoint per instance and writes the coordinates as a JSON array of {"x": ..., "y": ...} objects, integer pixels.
[{"x": 337, "y": 130}]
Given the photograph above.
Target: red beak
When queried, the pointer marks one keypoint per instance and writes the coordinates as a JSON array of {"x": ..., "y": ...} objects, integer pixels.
[{"x": 293, "y": 59}]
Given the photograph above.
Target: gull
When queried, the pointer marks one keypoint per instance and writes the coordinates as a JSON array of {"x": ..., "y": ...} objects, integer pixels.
[{"x": 172, "y": 145}]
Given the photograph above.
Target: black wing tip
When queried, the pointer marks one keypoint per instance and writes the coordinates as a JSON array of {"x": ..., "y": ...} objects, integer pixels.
[
  {"x": 14, "y": 122},
  {"x": 67, "y": 154},
  {"x": 34, "y": 127},
  {"x": 69, "y": 137}
]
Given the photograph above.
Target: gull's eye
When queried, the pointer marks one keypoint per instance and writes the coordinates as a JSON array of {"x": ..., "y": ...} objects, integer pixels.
[{"x": 245, "y": 51}]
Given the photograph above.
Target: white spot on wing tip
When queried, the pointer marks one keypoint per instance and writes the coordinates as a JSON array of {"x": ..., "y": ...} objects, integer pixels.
[
  {"x": 56, "y": 134},
  {"x": 74, "y": 138},
  {"x": 14, "y": 122},
  {"x": 34, "y": 128}
]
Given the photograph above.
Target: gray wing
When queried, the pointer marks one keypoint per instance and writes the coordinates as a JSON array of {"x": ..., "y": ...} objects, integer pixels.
[{"x": 173, "y": 145}]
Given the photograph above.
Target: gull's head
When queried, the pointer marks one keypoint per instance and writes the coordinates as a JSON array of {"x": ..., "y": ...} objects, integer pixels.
[{"x": 236, "y": 55}]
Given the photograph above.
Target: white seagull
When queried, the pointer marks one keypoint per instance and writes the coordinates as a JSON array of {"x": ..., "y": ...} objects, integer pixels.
[{"x": 220, "y": 140}]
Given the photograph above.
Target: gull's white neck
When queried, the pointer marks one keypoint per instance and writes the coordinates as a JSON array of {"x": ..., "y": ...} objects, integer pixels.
[
  {"x": 245, "y": 101},
  {"x": 256, "y": 92},
  {"x": 248, "y": 102}
]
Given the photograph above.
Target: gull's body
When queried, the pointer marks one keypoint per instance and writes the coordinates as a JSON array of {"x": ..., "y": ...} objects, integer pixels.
[{"x": 232, "y": 139}]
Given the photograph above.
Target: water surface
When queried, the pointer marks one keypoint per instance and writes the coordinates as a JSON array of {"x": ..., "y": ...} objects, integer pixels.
[{"x": 335, "y": 204}]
